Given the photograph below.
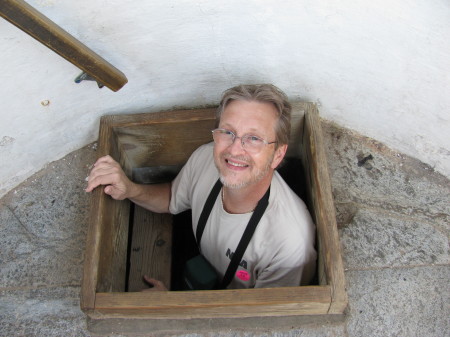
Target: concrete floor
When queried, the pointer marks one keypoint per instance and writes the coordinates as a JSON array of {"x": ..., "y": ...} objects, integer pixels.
[{"x": 393, "y": 215}]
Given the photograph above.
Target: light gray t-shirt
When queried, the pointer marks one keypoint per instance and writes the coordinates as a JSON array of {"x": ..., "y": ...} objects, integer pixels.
[{"x": 281, "y": 248}]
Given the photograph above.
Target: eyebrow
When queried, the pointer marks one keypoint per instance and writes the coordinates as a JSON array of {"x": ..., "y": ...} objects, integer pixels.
[{"x": 253, "y": 132}]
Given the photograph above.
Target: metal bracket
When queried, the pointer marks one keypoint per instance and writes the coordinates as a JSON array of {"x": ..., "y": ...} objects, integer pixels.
[{"x": 86, "y": 77}]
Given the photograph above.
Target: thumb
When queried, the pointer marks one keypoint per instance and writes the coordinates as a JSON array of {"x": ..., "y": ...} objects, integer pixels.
[
  {"x": 108, "y": 189},
  {"x": 111, "y": 191},
  {"x": 157, "y": 285}
]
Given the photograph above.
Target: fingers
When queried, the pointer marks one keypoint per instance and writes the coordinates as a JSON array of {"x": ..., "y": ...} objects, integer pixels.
[
  {"x": 157, "y": 285},
  {"x": 99, "y": 166},
  {"x": 107, "y": 171},
  {"x": 102, "y": 175},
  {"x": 105, "y": 159}
]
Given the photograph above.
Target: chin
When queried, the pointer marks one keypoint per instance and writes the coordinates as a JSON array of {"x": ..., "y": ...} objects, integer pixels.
[
  {"x": 238, "y": 180},
  {"x": 229, "y": 182},
  {"x": 235, "y": 185}
]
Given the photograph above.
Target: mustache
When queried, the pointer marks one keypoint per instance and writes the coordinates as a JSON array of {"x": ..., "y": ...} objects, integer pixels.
[{"x": 245, "y": 159}]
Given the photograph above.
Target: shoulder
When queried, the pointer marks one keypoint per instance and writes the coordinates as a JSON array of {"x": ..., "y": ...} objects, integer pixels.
[
  {"x": 205, "y": 150},
  {"x": 201, "y": 160},
  {"x": 285, "y": 203},
  {"x": 288, "y": 219},
  {"x": 193, "y": 181},
  {"x": 202, "y": 154}
]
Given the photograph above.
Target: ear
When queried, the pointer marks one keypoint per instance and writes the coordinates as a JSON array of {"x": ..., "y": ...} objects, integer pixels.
[{"x": 280, "y": 152}]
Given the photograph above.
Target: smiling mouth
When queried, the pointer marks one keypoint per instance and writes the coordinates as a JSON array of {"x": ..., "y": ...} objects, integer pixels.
[{"x": 235, "y": 164}]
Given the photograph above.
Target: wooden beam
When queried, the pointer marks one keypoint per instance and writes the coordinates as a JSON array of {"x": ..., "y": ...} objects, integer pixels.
[
  {"x": 261, "y": 302},
  {"x": 323, "y": 210},
  {"x": 35, "y": 24},
  {"x": 151, "y": 248}
]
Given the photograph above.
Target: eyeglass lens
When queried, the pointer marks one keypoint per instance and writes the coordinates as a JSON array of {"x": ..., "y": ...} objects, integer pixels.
[{"x": 249, "y": 142}]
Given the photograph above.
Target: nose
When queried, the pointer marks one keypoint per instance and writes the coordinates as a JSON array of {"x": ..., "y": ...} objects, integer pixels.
[{"x": 237, "y": 145}]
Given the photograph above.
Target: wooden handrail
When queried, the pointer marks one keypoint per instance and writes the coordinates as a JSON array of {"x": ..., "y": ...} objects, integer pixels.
[{"x": 35, "y": 24}]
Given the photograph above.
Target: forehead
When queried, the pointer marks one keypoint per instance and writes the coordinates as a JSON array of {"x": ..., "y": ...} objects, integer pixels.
[{"x": 248, "y": 116}]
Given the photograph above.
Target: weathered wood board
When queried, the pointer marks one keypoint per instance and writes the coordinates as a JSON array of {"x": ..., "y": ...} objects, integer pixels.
[
  {"x": 41, "y": 28},
  {"x": 150, "y": 249}
]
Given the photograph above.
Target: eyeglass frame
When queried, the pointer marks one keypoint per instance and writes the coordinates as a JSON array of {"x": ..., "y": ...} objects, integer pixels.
[{"x": 265, "y": 142}]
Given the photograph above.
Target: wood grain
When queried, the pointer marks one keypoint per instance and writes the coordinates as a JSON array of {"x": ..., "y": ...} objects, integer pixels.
[
  {"x": 217, "y": 304},
  {"x": 331, "y": 268},
  {"x": 151, "y": 248},
  {"x": 38, "y": 26},
  {"x": 135, "y": 139}
]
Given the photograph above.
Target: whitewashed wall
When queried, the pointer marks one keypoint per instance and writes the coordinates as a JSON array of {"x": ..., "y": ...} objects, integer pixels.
[{"x": 379, "y": 67}]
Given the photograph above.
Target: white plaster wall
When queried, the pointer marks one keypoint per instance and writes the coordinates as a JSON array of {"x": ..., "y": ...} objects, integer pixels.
[{"x": 379, "y": 67}]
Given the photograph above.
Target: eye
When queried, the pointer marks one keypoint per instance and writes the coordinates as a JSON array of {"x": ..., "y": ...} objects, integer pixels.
[{"x": 254, "y": 139}]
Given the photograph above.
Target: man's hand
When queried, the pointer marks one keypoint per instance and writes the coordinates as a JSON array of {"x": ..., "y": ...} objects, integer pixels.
[
  {"x": 157, "y": 285},
  {"x": 107, "y": 171}
]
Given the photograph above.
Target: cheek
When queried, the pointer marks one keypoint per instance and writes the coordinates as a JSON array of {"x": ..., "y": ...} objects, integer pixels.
[
  {"x": 217, "y": 153},
  {"x": 261, "y": 161},
  {"x": 218, "y": 148}
]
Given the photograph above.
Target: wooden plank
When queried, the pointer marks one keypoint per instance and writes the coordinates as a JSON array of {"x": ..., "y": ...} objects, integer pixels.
[
  {"x": 38, "y": 26},
  {"x": 297, "y": 120},
  {"x": 95, "y": 229},
  {"x": 253, "y": 326},
  {"x": 162, "y": 117},
  {"x": 163, "y": 144},
  {"x": 311, "y": 300},
  {"x": 113, "y": 219},
  {"x": 162, "y": 138},
  {"x": 114, "y": 242},
  {"x": 107, "y": 238},
  {"x": 151, "y": 248},
  {"x": 323, "y": 210}
]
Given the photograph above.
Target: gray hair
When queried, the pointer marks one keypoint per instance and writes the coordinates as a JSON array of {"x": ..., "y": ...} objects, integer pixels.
[{"x": 263, "y": 93}]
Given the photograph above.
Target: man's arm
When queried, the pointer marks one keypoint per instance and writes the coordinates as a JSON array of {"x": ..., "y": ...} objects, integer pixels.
[{"x": 107, "y": 172}]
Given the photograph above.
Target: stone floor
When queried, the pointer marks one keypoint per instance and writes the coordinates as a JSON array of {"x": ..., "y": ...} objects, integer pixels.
[{"x": 393, "y": 215}]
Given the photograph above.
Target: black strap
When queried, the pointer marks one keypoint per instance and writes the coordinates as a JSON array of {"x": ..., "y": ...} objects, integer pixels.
[
  {"x": 207, "y": 210},
  {"x": 245, "y": 240},
  {"x": 246, "y": 236}
]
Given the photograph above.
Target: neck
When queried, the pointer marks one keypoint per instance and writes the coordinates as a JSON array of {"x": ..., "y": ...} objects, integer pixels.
[{"x": 244, "y": 200}]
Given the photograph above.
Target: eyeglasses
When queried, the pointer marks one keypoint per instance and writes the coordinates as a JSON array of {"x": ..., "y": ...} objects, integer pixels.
[{"x": 251, "y": 144}]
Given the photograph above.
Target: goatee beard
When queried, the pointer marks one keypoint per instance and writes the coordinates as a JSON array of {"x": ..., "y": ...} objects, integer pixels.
[{"x": 259, "y": 175}]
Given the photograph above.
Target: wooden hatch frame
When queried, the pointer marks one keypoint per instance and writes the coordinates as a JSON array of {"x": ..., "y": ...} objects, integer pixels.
[{"x": 132, "y": 140}]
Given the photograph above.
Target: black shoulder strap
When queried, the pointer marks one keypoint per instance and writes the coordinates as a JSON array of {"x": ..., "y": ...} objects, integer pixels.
[
  {"x": 245, "y": 240},
  {"x": 207, "y": 210},
  {"x": 246, "y": 237}
]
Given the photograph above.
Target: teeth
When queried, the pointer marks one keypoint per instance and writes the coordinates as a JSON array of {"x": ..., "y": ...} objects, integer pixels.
[{"x": 236, "y": 164}]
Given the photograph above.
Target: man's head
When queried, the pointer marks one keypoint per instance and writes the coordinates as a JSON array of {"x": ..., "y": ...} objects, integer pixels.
[
  {"x": 253, "y": 131},
  {"x": 263, "y": 93}
]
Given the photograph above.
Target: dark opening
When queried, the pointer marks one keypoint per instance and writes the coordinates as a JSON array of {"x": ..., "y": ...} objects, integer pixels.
[{"x": 184, "y": 246}]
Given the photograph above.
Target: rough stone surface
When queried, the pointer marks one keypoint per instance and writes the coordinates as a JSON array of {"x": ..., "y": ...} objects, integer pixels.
[
  {"x": 43, "y": 226},
  {"x": 379, "y": 239},
  {"x": 49, "y": 312},
  {"x": 393, "y": 216},
  {"x": 399, "y": 302},
  {"x": 366, "y": 173}
]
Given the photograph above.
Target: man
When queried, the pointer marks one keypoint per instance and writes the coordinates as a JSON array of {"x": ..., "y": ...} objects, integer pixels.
[{"x": 250, "y": 142}]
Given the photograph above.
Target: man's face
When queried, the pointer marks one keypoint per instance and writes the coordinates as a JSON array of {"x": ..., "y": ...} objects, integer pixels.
[{"x": 236, "y": 166}]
